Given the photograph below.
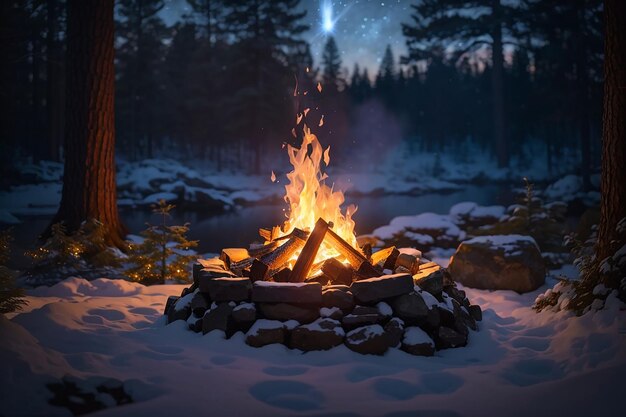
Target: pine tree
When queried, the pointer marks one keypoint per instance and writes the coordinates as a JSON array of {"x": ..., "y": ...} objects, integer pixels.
[
  {"x": 10, "y": 295},
  {"x": 163, "y": 253},
  {"x": 440, "y": 24},
  {"x": 139, "y": 55},
  {"x": 265, "y": 34},
  {"x": 331, "y": 61}
]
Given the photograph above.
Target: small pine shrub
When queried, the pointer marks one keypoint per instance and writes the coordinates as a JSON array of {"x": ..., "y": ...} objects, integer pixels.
[
  {"x": 83, "y": 253},
  {"x": 164, "y": 252},
  {"x": 593, "y": 288},
  {"x": 532, "y": 217},
  {"x": 11, "y": 297}
]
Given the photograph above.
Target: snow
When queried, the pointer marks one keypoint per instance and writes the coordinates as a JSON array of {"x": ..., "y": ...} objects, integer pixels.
[
  {"x": 264, "y": 324},
  {"x": 416, "y": 336},
  {"x": 509, "y": 243},
  {"x": 365, "y": 333},
  {"x": 154, "y": 198},
  {"x": 384, "y": 309},
  {"x": 520, "y": 363},
  {"x": 329, "y": 311},
  {"x": 421, "y": 222}
]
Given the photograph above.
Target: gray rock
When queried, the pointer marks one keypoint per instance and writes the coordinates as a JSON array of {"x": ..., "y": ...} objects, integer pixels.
[
  {"x": 433, "y": 319},
  {"x": 322, "y": 334},
  {"x": 217, "y": 318},
  {"x": 266, "y": 332},
  {"x": 410, "y": 307},
  {"x": 430, "y": 278},
  {"x": 335, "y": 297},
  {"x": 181, "y": 309},
  {"x": 244, "y": 313},
  {"x": 284, "y": 312},
  {"x": 508, "y": 262},
  {"x": 171, "y": 300},
  {"x": 373, "y": 290},
  {"x": 449, "y": 338},
  {"x": 370, "y": 339},
  {"x": 286, "y": 292},
  {"x": 476, "y": 312},
  {"x": 352, "y": 321},
  {"x": 195, "y": 323},
  {"x": 199, "y": 304},
  {"x": 417, "y": 342},
  {"x": 229, "y": 289},
  {"x": 394, "y": 330}
]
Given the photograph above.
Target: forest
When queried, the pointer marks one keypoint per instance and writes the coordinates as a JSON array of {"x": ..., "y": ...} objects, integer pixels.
[{"x": 187, "y": 88}]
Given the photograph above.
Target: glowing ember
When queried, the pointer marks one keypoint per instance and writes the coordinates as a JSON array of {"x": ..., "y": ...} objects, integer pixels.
[{"x": 310, "y": 198}]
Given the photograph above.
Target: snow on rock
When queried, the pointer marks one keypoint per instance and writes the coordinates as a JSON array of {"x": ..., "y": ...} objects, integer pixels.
[
  {"x": 416, "y": 336},
  {"x": 154, "y": 198},
  {"x": 508, "y": 243},
  {"x": 568, "y": 365},
  {"x": 434, "y": 225}
]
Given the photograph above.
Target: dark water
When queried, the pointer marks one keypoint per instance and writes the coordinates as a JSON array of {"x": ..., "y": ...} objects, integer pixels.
[{"x": 240, "y": 227}]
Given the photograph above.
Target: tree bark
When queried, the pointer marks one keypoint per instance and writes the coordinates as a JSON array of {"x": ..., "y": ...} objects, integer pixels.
[
  {"x": 497, "y": 86},
  {"x": 89, "y": 173},
  {"x": 613, "y": 183}
]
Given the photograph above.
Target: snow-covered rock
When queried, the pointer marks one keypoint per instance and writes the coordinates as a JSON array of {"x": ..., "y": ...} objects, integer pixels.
[{"x": 499, "y": 262}]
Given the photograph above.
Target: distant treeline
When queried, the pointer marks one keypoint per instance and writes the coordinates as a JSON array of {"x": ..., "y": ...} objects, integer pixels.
[{"x": 219, "y": 84}]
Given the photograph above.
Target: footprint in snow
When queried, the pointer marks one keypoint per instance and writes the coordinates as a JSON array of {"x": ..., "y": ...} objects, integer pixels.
[{"x": 291, "y": 395}]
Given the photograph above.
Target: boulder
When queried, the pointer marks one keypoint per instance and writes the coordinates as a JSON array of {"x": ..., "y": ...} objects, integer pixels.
[
  {"x": 449, "y": 338},
  {"x": 335, "y": 297},
  {"x": 287, "y": 292},
  {"x": 229, "y": 289},
  {"x": 410, "y": 307},
  {"x": 394, "y": 330},
  {"x": 199, "y": 304},
  {"x": 244, "y": 313},
  {"x": 352, "y": 321},
  {"x": 505, "y": 262},
  {"x": 322, "y": 334},
  {"x": 181, "y": 309},
  {"x": 217, "y": 318},
  {"x": 171, "y": 300},
  {"x": 430, "y": 278},
  {"x": 417, "y": 342},
  {"x": 373, "y": 290},
  {"x": 476, "y": 312},
  {"x": 266, "y": 332},
  {"x": 284, "y": 311},
  {"x": 370, "y": 339},
  {"x": 195, "y": 323}
]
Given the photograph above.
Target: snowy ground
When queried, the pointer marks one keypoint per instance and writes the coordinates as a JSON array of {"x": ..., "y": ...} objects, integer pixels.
[{"x": 519, "y": 364}]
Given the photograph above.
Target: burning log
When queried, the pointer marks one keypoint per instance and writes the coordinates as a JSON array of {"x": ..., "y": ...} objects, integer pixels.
[
  {"x": 260, "y": 250},
  {"x": 305, "y": 260},
  {"x": 386, "y": 258},
  {"x": 276, "y": 260},
  {"x": 282, "y": 275},
  {"x": 337, "y": 272},
  {"x": 358, "y": 261}
]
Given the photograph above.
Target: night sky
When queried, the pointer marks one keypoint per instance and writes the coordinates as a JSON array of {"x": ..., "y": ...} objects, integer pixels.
[{"x": 362, "y": 28}]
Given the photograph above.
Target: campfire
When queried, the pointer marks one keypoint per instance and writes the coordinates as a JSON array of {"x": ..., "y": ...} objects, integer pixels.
[{"x": 310, "y": 285}]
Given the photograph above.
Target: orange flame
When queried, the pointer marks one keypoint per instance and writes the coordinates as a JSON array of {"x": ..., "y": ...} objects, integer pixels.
[{"x": 310, "y": 198}]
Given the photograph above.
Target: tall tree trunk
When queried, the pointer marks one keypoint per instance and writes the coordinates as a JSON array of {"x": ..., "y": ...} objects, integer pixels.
[
  {"x": 613, "y": 185},
  {"x": 54, "y": 83},
  {"x": 89, "y": 174},
  {"x": 497, "y": 86}
]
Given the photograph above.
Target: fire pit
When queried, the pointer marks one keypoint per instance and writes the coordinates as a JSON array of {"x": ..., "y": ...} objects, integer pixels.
[{"x": 311, "y": 286}]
